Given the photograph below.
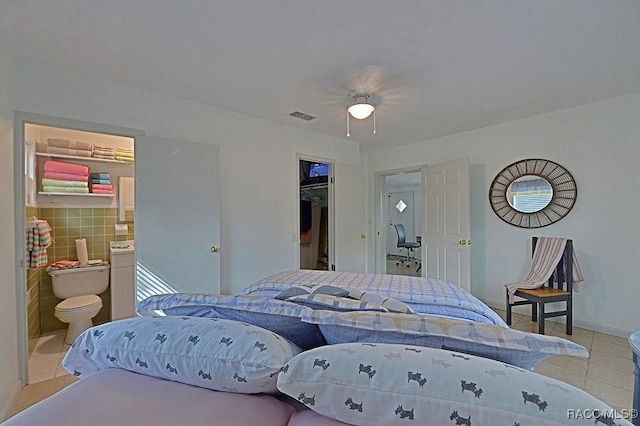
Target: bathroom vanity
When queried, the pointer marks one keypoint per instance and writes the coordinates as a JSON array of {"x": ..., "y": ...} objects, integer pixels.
[{"x": 123, "y": 293}]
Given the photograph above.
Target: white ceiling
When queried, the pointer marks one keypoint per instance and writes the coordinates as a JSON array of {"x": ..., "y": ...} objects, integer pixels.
[{"x": 439, "y": 67}]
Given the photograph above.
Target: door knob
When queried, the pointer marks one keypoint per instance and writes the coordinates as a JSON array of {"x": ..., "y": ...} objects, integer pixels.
[
  {"x": 464, "y": 242},
  {"x": 214, "y": 249}
]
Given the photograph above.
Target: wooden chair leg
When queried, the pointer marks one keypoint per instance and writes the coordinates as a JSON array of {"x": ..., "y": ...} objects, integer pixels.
[
  {"x": 569, "y": 316},
  {"x": 541, "y": 317},
  {"x": 508, "y": 309}
]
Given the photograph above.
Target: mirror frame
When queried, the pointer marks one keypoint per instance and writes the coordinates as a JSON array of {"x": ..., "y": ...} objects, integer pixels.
[{"x": 565, "y": 193}]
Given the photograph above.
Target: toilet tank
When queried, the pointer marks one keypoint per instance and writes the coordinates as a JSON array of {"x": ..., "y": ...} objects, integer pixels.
[{"x": 82, "y": 281}]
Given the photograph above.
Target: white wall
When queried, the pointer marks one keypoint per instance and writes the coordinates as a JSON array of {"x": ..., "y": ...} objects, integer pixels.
[
  {"x": 600, "y": 145},
  {"x": 9, "y": 385},
  {"x": 258, "y": 164}
]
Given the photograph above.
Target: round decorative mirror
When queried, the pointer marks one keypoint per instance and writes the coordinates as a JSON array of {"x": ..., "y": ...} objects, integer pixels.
[{"x": 533, "y": 193}]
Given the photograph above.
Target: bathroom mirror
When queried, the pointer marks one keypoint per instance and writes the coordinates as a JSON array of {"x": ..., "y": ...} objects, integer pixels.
[{"x": 532, "y": 193}]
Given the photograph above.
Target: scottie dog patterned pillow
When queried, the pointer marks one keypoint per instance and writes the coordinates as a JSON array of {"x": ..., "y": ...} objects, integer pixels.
[
  {"x": 391, "y": 384},
  {"x": 211, "y": 353}
]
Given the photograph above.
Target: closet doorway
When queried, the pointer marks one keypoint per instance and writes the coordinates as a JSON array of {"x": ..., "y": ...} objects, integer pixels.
[{"x": 316, "y": 251}]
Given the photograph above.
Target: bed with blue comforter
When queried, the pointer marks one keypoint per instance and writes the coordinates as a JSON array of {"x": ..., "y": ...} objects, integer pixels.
[
  {"x": 302, "y": 348},
  {"x": 424, "y": 295}
]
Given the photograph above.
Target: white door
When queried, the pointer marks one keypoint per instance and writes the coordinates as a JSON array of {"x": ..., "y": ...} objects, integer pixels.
[
  {"x": 176, "y": 217},
  {"x": 350, "y": 218},
  {"x": 446, "y": 231},
  {"x": 400, "y": 210}
]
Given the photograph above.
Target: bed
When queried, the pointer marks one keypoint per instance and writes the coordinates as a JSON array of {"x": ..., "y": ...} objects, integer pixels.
[{"x": 314, "y": 352}]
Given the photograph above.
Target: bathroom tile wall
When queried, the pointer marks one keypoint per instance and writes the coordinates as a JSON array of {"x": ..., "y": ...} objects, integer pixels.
[
  {"x": 33, "y": 297},
  {"x": 96, "y": 225}
]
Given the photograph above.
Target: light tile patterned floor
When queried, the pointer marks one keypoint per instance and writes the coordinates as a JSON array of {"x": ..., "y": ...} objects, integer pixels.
[{"x": 607, "y": 374}]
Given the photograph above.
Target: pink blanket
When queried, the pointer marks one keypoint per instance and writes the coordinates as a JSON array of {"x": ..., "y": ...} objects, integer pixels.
[
  {"x": 66, "y": 176},
  {"x": 61, "y": 167}
]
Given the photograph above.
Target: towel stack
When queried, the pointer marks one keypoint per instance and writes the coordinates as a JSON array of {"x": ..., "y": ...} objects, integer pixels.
[
  {"x": 65, "y": 177},
  {"x": 104, "y": 152},
  {"x": 101, "y": 183},
  {"x": 124, "y": 154},
  {"x": 67, "y": 147}
]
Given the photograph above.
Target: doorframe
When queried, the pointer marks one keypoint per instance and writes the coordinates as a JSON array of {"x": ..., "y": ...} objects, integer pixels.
[
  {"x": 330, "y": 209},
  {"x": 21, "y": 118},
  {"x": 381, "y": 213}
]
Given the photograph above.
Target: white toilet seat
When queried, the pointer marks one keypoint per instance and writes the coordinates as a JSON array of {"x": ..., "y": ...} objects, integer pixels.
[
  {"x": 78, "y": 312},
  {"x": 79, "y": 303}
]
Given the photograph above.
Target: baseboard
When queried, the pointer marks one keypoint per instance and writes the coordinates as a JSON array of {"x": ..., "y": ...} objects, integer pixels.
[
  {"x": 11, "y": 401},
  {"x": 588, "y": 325}
]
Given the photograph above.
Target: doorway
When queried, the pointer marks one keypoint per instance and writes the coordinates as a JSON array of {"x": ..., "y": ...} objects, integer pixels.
[
  {"x": 88, "y": 213},
  {"x": 404, "y": 207},
  {"x": 315, "y": 179},
  {"x": 444, "y": 236}
]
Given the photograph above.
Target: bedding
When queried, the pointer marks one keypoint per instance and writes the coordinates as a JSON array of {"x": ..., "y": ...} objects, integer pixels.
[
  {"x": 433, "y": 386},
  {"x": 181, "y": 371},
  {"x": 511, "y": 346},
  {"x": 211, "y": 353},
  {"x": 423, "y": 295},
  {"x": 315, "y": 314},
  {"x": 115, "y": 397},
  {"x": 389, "y": 384},
  {"x": 280, "y": 316}
]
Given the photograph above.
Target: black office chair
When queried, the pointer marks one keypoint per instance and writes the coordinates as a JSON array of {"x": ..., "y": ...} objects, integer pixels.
[{"x": 404, "y": 244}]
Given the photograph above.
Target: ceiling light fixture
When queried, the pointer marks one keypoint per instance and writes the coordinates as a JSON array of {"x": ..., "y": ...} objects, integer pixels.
[{"x": 361, "y": 107}]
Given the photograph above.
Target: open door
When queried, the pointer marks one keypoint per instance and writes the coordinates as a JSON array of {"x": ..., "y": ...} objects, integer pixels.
[
  {"x": 445, "y": 245},
  {"x": 350, "y": 213},
  {"x": 316, "y": 215},
  {"x": 176, "y": 217}
]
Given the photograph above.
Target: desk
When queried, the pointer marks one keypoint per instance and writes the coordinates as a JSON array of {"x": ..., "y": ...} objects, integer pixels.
[{"x": 634, "y": 342}]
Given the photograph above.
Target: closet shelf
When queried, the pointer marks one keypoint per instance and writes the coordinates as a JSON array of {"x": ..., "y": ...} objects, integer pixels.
[
  {"x": 77, "y": 158},
  {"x": 315, "y": 193}
]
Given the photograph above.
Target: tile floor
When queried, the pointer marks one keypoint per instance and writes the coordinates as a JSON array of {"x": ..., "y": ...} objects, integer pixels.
[{"x": 607, "y": 374}]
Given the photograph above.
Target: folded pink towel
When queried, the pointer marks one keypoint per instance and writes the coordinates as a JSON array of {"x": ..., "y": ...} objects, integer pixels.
[
  {"x": 61, "y": 167},
  {"x": 66, "y": 176},
  {"x": 65, "y": 264},
  {"x": 102, "y": 191},
  {"x": 102, "y": 186}
]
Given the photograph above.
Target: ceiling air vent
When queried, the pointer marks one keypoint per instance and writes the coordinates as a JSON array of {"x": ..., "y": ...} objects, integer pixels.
[{"x": 302, "y": 116}]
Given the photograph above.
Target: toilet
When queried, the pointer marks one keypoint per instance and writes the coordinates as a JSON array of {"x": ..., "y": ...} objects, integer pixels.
[{"x": 79, "y": 289}]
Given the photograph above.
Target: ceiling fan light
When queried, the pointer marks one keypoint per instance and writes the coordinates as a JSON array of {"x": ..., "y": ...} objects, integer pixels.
[{"x": 361, "y": 110}]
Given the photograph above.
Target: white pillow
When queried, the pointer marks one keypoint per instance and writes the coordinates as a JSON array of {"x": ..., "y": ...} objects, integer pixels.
[
  {"x": 211, "y": 353},
  {"x": 389, "y": 384}
]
